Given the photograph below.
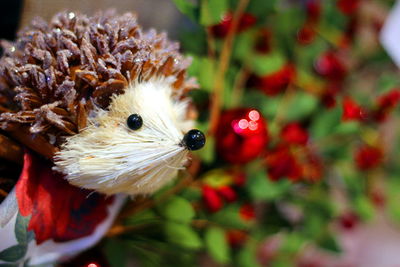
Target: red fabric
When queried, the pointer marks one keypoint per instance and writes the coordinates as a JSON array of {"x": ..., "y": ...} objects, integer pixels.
[{"x": 58, "y": 210}]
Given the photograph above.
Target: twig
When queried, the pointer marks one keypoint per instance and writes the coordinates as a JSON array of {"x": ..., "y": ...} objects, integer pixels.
[
  {"x": 10, "y": 150},
  {"x": 283, "y": 106},
  {"x": 210, "y": 37},
  {"x": 238, "y": 86},
  {"x": 223, "y": 67}
]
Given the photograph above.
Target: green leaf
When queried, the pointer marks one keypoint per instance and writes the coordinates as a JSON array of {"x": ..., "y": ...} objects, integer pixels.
[
  {"x": 212, "y": 11},
  {"x": 217, "y": 178},
  {"x": 206, "y": 73},
  {"x": 329, "y": 242},
  {"x": 300, "y": 106},
  {"x": 183, "y": 235},
  {"x": 21, "y": 226},
  {"x": 325, "y": 123},
  {"x": 146, "y": 216},
  {"x": 388, "y": 81},
  {"x": 191, "y": 194},
  {"x": 247, "y": 256},
  {"x": 230, "y": 217},
  {"x": 267, "y": 64},
  {"x": 177, "y": 209},
  {"x": 187, "y": 8},
  {"x": 345, "y": 128},
  {"x": 115, "y": 253},
  {"x": 261, "y": 8},
  {"x": 393, "y": 208},
  {"x": 261, "y": 188},
  {"x": 243, "y": 46},
  {"x": 364, "y": 207},
  {"x": 292, "y": 243},
  {"x": 216, "y": 245},
  {"x": 13, "y": 253}
]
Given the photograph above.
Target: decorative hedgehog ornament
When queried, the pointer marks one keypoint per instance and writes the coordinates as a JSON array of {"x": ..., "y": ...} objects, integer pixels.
[{"x": 101, "y": 108}]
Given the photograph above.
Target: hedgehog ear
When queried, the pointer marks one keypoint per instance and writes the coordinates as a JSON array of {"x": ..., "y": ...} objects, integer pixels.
[{"x": 134, "y": 122}]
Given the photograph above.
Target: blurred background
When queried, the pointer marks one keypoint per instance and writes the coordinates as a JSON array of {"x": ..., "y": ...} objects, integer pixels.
[
  {"x": 299, "y": 101},
  {"x": 161, "y": 15}
]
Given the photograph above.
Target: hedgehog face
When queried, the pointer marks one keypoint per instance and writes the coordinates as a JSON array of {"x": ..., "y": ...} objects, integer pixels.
[{"x": 135, "y": 146}]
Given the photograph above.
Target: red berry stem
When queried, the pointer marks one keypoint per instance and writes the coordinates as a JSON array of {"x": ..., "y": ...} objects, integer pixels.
[{"x": 223, "y": 67}]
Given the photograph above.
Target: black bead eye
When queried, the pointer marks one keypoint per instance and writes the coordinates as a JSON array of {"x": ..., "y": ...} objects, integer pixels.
[
  {"x": 134, "y": 121},
  {"x": 194, "y": 139}
]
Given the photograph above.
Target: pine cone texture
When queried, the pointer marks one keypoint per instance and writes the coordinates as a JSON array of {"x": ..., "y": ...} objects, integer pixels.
[{"x": 54, "y": 74}]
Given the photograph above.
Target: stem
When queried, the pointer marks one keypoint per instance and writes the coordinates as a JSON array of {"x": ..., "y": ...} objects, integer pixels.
[
  {"x": 223, "y": 67},
  {"x": 238, "y": 86},
  {"x": 283, "y": 106},
  {"x": 210, "y": 38}
]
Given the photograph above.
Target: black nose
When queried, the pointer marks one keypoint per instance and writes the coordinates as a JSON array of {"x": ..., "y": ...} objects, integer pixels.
[{"x": 194, "y": 140}]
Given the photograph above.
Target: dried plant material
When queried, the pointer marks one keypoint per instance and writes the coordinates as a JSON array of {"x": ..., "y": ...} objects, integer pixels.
[
  {"x": 54, "y": 74},
  {"x": 10, "y": 150}
]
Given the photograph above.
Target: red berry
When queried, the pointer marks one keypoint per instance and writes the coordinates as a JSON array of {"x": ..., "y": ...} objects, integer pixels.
[
  {"x": 328, "y": 97},
  {"x": 236, "y": 238},
  {"x": 294, "y": 164},
  {"x": 330, "y": 66},
  {"x": 281, "y": 163},
  {"x": 221, "y": 30},
  {"x": 263, "y": 41},
  {"x": 276, "y": 82},
  {"x": 239, "y": 179},
  {"x": 348, "y": 220},
  {"x": 247, "y": 212},
  {"x": 241, "y": 135},
  {"x": 385, "y": 104},
  {"x": 313, "y": 8},
  {"x": 352, "y": 111},
  {"x": 378, "y": 198},
  {"x": 211, "y": 199},
  {"x": 293, "y": 133},
  {"x": 368, "y": 157},
  {"x": 348, "y": 7},
  {"x": 227, "y": 193},
  {"x": 306, "y": 35},
  {"x": 312, "y": 167},
  {"x": 390, "y": 99}
]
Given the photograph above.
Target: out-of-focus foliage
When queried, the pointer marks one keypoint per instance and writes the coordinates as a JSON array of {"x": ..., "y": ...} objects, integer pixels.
[{"x": 306, "y": 141}]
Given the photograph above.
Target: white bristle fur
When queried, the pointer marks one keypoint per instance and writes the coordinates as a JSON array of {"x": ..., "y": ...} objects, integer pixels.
[{"x": 109, "y": 157}]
